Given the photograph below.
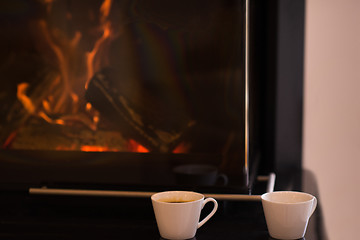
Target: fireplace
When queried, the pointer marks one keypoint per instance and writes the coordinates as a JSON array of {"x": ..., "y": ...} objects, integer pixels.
[
  {"x": 104, "y": 102},
  {"x": 111, "y": 95}
]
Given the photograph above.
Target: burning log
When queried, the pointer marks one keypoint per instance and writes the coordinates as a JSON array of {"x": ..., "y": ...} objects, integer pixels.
[
  {"x": 18, "y": 113},
  {"x": 155, "y": 121}
]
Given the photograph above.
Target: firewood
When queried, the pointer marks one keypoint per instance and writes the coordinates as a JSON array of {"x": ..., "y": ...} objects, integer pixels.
[{"x": 151, "y": 120}]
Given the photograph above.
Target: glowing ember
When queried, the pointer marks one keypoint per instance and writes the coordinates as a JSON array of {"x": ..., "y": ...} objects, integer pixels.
[
  {"x": 9, "y": 140},
  {"x": 134, "y": 146},
  {"x": 89, "y": 148},
  {"x": 182, "y": 148}
]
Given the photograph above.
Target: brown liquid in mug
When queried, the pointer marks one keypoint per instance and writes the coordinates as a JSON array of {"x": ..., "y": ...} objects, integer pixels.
[{"x": 175, "y": 201}]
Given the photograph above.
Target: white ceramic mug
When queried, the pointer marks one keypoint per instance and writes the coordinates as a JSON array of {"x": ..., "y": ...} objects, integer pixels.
[
  {"x": 287, "y": 213},
  {"x": 177, "y": 213}
]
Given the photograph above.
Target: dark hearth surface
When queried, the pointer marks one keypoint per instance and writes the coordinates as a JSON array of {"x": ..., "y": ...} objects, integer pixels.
[
  {"x": 34, "y": 217},
  {"x": 22, "y": 170},
  {"x": 26, "y": 216}
]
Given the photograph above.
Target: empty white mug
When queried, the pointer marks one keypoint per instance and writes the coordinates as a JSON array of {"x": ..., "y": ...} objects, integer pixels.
[
  {"x": 287, "y": 213},
  {"x": 177, "y": 213}
]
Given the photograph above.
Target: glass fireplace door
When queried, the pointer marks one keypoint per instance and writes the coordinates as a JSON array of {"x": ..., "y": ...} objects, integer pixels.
[{"x": 162, "y": 78}]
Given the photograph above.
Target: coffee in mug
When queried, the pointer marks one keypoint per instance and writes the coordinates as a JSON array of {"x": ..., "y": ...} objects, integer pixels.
[{"x": 177, "y": 213}]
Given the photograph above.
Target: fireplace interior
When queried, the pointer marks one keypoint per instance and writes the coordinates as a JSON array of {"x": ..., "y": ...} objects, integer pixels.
[{"x": 121, "y": 92}]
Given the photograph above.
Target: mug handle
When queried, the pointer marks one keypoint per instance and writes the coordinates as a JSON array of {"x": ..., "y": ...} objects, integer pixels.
[
  {"x": 211, "y": 213},
  {"x": 313, "y": 206}
]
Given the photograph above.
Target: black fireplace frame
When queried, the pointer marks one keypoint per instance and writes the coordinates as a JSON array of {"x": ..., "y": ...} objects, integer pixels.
[{"x": 282, "y": 62}]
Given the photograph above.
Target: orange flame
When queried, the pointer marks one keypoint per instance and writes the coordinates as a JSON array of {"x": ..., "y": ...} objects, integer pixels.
[
  {"x": 29, "y": 106},
  {"x": 63, "y": 94},
  {"x": 63, "y": 98},
  {"x": 182, "y": 148},
  {"x": 105, "y": 10},
  {"x": 24, "y": 99},
  {"x": 90, "y": 148},
  {"x": 106, "y": 27},
  {"x": 134, "y": 146}
]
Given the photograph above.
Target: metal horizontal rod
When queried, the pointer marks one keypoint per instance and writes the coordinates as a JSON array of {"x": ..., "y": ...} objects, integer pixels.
[
  {"x": 140, "y": 194},
  {"x": 113, "y": 193}
]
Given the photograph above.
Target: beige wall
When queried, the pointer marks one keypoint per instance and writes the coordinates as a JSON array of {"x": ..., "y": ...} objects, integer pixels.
[{"x": 332, "y": 111}]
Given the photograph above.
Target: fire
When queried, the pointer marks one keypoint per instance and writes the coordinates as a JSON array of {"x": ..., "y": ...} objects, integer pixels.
[
  {"x": 60, "y": 97},
  {"x": 64, "y": 98},
  {"x": 105, "y": 10},
  {"x": 29, "y": 106},
  {"x": 134, "y": 146},
  {"x": 91, "y": 55},
  {"x": 183, "y": 147},
  {"x": 24, "y": 99},
  {"x": 106, "y": 27},
  {"x": 89, "y": 148}
]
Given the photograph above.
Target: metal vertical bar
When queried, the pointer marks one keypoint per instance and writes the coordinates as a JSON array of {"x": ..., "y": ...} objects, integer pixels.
[{"x": 247, "y": 37}]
